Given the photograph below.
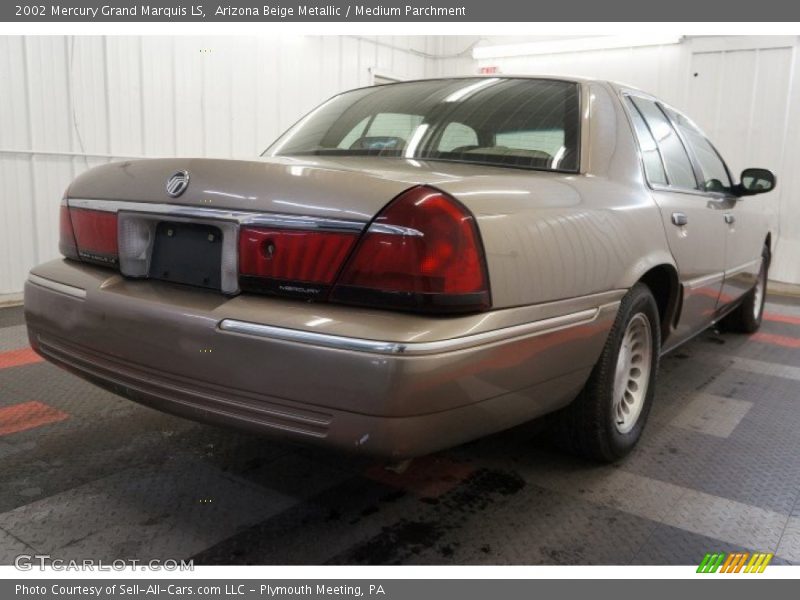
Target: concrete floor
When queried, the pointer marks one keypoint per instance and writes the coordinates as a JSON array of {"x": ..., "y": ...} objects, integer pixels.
[{"x": 89, "y": 475}]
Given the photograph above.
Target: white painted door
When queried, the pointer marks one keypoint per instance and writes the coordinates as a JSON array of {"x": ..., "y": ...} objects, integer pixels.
[{"x": 740, "y": 99}]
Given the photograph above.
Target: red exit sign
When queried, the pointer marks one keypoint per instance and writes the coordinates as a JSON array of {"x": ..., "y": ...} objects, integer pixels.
[{"x": 488, "y": 70}]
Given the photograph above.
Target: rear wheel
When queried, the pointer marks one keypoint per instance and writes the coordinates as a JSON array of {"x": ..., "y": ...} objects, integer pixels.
[
  {"x": 747, "y": 316},
  {"x": 606, "y": 420}
]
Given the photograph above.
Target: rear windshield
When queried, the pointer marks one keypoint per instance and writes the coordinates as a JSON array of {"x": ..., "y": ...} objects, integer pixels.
[{"x": 528, "y": 123}]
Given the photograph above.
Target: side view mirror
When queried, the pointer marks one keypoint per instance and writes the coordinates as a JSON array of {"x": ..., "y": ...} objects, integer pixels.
[{"x": 755, "y": 181}]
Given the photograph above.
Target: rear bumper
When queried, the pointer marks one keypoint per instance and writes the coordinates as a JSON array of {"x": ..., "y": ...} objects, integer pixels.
[{"x": 398, "y": 386}]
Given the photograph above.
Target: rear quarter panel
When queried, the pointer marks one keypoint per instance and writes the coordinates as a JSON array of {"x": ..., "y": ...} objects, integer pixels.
[{"x": 549, "y": 236}]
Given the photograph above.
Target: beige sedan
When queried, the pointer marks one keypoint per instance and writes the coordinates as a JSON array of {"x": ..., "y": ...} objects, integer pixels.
[{"x": 412, "y": 266}]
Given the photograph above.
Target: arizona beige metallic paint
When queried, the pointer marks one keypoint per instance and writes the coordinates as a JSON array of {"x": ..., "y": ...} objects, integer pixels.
[{"x": 561, "y": 249}]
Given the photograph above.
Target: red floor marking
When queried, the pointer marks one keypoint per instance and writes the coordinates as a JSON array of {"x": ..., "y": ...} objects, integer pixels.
[
  {"x": 19, "y": 357},
  {"x": 779, "y": 318},
  {"x": 425, "y": 477},
  {"x": 778, "y": 340},
  {"x": 28, "y": 415}
]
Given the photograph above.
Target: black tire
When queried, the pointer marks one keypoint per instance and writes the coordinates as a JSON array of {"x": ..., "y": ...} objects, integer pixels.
[
  {"x": 746, "y": 318},
  {"x": 587, "y": 426}
]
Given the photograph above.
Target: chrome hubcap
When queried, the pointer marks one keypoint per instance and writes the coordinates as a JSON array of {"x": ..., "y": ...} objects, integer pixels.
[
  {"x": 758, "y": 292},
  {"x": 632, "y": 375}
]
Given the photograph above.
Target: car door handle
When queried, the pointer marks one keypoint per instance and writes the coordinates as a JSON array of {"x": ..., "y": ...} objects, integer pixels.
[
  {"x": 730, "y": 219},
  {"x": 679, "y": 219}
]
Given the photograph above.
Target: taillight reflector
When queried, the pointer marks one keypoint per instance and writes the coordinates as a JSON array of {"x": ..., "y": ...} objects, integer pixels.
[
  {"x": 296, "y": 262},
  {"x": 95, "y": 234},
  {"x": 66, "y": 239}
]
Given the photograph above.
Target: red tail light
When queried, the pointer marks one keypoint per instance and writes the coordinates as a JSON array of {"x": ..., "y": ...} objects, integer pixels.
[
  {"x": 291, "y": 262},
  {"x": 94, "y": 233},
  {"x": 422, "y": 252},
  {"x": 66, "y": 240}
]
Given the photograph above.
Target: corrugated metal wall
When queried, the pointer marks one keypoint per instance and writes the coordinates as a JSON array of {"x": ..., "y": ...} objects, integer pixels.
[
  {"x": 69, "y": 103},
  {"x": 744, "y": 91}
]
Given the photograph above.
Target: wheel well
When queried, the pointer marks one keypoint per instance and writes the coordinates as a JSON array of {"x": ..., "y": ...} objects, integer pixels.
[
  {"x": 663, "y": 283},
  {"x": 768, "y": 244}
]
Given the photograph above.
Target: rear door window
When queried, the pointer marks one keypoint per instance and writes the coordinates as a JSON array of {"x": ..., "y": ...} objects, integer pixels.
[
  {"x": 651, "y": 156},
  {"x": 676, "y": 160},
  {"x": 715, "y": 174}
]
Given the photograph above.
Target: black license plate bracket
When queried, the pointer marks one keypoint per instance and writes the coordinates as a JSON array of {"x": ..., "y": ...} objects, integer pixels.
[{"x": 187, "y": 253}]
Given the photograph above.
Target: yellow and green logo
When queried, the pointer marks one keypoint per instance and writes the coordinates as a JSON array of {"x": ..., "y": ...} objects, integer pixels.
[{"x": 735, "y": 562}]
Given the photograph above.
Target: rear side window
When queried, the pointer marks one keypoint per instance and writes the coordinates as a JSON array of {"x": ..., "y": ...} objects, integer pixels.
[
  {"x": 676, "y": 160},
  {"x": 653, "y": 166},
  {"x": 715, "y": 175}
]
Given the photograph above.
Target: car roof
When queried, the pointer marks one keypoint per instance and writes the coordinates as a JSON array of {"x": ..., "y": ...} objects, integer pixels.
[{"x": 616, "y": 85}]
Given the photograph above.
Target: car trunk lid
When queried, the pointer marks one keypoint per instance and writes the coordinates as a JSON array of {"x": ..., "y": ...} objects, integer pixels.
[
  {"x": 293, "y": 227},
  {"x": 355, "y": 189}
]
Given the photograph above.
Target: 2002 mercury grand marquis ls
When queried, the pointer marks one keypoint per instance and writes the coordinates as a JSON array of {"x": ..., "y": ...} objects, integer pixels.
[{"x": 412, "y": 266}]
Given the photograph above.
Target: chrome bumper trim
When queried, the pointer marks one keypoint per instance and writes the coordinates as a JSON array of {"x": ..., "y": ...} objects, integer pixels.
[
  {"x": 62, "y": 288},
  {"x": 313, "y": 338}
]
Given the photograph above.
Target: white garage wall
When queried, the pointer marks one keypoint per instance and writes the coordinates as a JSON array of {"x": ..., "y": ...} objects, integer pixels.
[
  {"x": 70, "y": 103},
  {"x": 743, "y": 91}
]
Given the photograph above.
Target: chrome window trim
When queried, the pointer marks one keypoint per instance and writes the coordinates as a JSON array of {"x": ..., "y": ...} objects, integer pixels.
[
  {"x": 62, "y": 288},
  {"x": 535, "y": 328},
  {"x": 256, "y": 219}
]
